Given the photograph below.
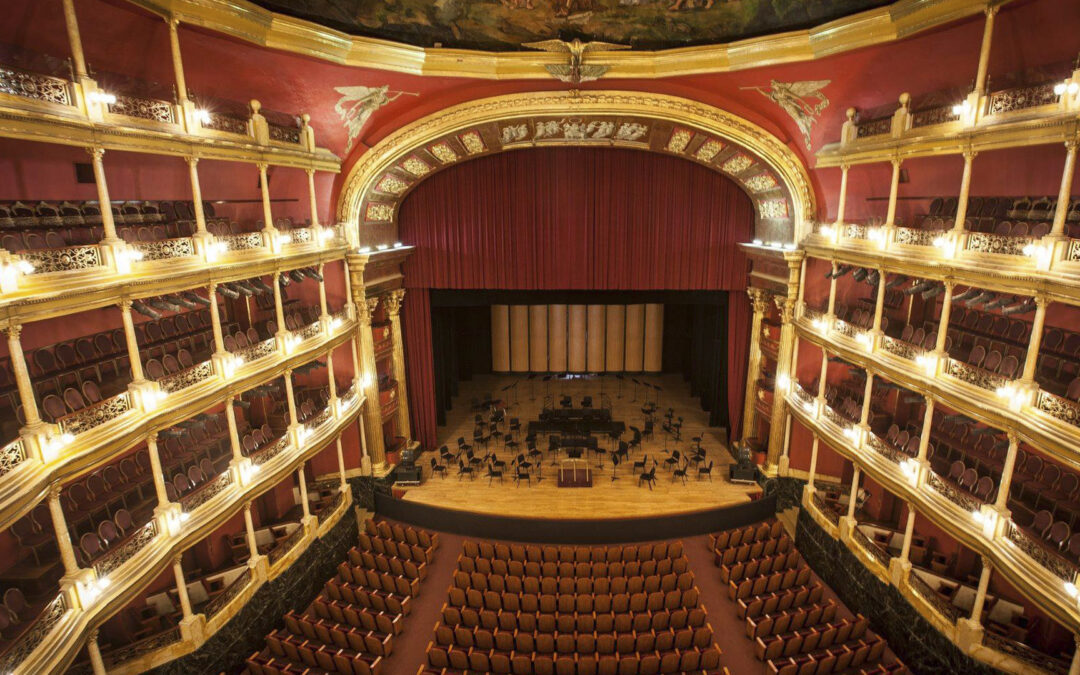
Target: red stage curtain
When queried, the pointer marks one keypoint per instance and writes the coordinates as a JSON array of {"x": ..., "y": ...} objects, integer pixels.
[
  {"x": 738, "y": 358},
  {"x": 419, "y": 367},
  {"x": 568, "y": 218}
]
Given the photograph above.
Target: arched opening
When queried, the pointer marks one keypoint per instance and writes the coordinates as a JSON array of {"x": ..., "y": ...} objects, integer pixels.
[{"x": 565, "y": 226}]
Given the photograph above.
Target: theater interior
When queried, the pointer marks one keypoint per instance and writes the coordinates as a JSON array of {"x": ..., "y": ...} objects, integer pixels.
[{"x": 553, "y": 337}]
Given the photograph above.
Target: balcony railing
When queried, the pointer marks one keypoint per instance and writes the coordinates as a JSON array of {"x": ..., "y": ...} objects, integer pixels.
[
  {"x": 1027, "y": 655},
  {"x": 257, "y": 351},
  {"x": 949, "y": 611},
  {"x": 824, "y": 508},
  {"x": 94, "y": 416},
  {"x": 287, "y": 544},
  {"x": 871, "y": 549},
  {"x": 1057, "y": 565},
  {"x": 187, "y": 377},
  {"x": 244, "y": 241},
  {"x": 67, "y": 259},
  {"x": 142, "y": 647},
  {"x": 12, "y": 455},
  {"x": 39, "y": 630},
  {"x": 128, "y": 548},
  {"x": 151, "y": 109},
  {"x": 233, "y": 590},
  {"x": 35, "y": 86},
  {"x": 952, "y": 493},
  {"x": 206, "y": 492},
  {"x": 165, "y": 249}
]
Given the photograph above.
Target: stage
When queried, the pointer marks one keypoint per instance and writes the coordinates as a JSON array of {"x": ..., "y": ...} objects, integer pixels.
[{"x": 606, "y": 498}]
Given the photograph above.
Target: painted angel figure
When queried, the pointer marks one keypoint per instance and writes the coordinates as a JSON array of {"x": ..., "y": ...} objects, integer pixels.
[
  {"x": 803, "y": 101},
  {"x": 357, "y": 104}
]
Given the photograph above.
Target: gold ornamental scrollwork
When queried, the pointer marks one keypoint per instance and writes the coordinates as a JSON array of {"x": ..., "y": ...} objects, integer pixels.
[{"x": 769, "y": 150}]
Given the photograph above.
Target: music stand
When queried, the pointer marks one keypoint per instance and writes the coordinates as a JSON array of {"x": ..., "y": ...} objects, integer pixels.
[
  {"x": 636, "y": 383},
  {"x": 614, "y": 466}
]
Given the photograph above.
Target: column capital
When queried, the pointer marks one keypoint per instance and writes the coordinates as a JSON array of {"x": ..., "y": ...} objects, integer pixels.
[
  {"x": 262, "y": 166},
  {"x": 55, "y": 488},
  {"x": 13, "y": 330},
  {"x": 92, "y": 636},
  {"x": 393, "y": 301},
  {"x": 309, "y": 171},
  {"x": 176, "y": 560},
  {"x": 1042, "y": 299},
  {"x": 896, "y": 160},
  {"x": 1071, "y": 144},
  {"x": 172, "y": 21},
  {"x": 192, "y": 160},
  {"x": 125, "y": 304},
  {"x": 786, "y": 306},
  {"x": 247, "y": 508},
  {"x": 845, "y": 166},
  {"x": 991, "y": 10},
  {"x": 95, "y": 152},
  {"x": 152, "y": 436},
  {"x": 969, "y": 153},
  {"x": 759, "y": 299}
]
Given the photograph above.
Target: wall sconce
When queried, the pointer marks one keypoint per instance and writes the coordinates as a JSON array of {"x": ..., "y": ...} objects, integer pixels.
[
  {"x": 365, "y": 249},
  {"x": 826, "y": 231},
  {"x": 89, "y": 591},
  {"x": 247, "y": 472},
  {"x": 152, "y": 399},
  {"x": 203, "y": 115},
  {"x": 1015, "y": 396},
  {"x": 230, "y": 364},
  {"x": 215, "y": 250},
  {"x": 757, "y": 242},
  {"x": 10, "y": 273},
  {"x": 865, "y": 339},
  {"x": 381, "y": 247},
  {"x": 398, "y": 244},
  {"x": 290, "y": 343},
  {"x": 52, "y": 447},
  {"x": 790, "y": 246},
  {"x": 335, "y": 323},
  {"x": 1070, "y": 589},
  {"x": 928, "y": 362},
  {"x": 102, "y": 97},
  {"x": 1070, "y": 87},
  {"x": 325, "y": 235},
  {"x": 1040, "y": 253},
  {"x": 910, "y": 468},
  {"x": 819, "y": 324},
  {"x": 125, "y": 257},
  {"x": 783, "y": 382},
  {"x": 176, "y": 521}
]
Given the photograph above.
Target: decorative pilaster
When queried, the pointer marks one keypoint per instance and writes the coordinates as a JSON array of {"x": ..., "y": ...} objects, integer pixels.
[
  {"x": 759, "y": 302},
  {"x": 786, "y": 306},
  {"x": 372, "y": 414},
  {"x": 393, "y": 310}
]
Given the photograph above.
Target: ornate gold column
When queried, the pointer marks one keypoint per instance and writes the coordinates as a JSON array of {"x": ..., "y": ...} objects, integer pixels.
[
  {"x": 868, "y": 390},
  {"x": 759, "y": 302},
  {"x": 364, "y": 346},
  {"x": 943, "y": 321},
  {"x": 331, "y": 381},
  {"x": 1035, "y": 341},
  {"x": 879, "y": 303},
  {"x": 279, "y": 309},
  {"x": 341, "y": 465},
  {"x": 841, "y": 205},
  {"x": 984, "y": 50},
  {"x": 196, "y": 196},
  {"x": 831, "y": 307},
  {"x": 22, "y": 376},
  {"x": 965, "y": 191},
  {"x": 980, "y": 592},
  {"x": 1062, "y": 209},
  {"x": 97, "y": 664},
  {"x": 303, "y": 492},
  {"x": 177, "y": 61},
  {"x": 181, "y": 588},
  {"x": 311, "y": 196},
  {"x": 74, "y": 39},
  {"x": 909, "y": 530},
  {"x": 234, "y": 434},
  {"x": 290, "y": 397},
  {"x": 157, "y": 472},
  {"x": 1004, "y": 485},
  {"x": 854, "y": 495},
  {"x": 137, "y": 376},
  {"x": 63, "y": 538},
  {"x": 323, "y": 314},
  {"x": 249, "y": 527},
  {"x": 107, "y": 222},
  {"x": 393, "y": 310},
  {"x": 215, "y": 321},
  {"x": 783, "y": 368},
  {"x": 894, "y": 188},
  {"x": 813, "y": 461},
  {"x": 268, "y": 217},
  {"x": 924, "y": 434}
]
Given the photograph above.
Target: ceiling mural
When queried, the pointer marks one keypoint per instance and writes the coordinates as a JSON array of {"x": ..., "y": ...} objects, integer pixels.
[{"x": 503, "y": 25}]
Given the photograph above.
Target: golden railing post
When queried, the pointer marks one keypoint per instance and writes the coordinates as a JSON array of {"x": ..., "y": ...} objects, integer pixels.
[
  {"x": 393, "y": 310},
  {"x": 1031, "y": 359},
  {"x": 74, "y": 39},
  {"x": 157, "y": 471},
  {"x": 107, "y": 222},
  {"x": 23, "y": 382},
  {"x": 311, "y": 196},
  {"x": 97, "y": 664},
  {"x": 268, "y": 217},
  {"x": 1061, "y": 211},
  {"x": 759, "y": 302},
  {"x": 63, "y": 537},
  {"x": 132, "y": 341}
]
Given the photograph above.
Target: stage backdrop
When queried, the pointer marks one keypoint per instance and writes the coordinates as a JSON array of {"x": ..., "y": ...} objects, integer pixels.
[{"x": 572, "y": 218}]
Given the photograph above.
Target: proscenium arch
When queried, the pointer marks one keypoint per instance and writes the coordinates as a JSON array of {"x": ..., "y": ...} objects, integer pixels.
[{"x": 378, "y": 182}]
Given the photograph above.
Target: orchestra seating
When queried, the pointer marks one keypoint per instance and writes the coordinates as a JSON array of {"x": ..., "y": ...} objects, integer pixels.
[
  {"x": 545, "y": 609},
  {"x": 795, "y": 630},
  {"x": 350, "y": 628},
  {"x": 1006, "y": 216}
]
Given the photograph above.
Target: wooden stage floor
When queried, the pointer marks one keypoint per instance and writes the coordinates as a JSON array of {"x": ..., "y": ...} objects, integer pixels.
[{"x": 621, "y": 498}]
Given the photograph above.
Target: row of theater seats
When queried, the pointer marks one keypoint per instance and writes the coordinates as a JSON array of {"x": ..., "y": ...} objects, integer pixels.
[
  {"x": 544, "y": 609},
  {"x": 350, "y": 628},
  {"x": 50, "y": 225},
  {"x": 793, "y": 629},
  {"x": 1010, "y": 216}
]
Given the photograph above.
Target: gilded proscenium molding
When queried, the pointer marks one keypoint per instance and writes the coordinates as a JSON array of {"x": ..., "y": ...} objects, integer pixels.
[
  {"x": 1017, "y": 275},
  {"x": 360, "y": 183},
  {"x": 26, "y": 485},
  {"x": 1033, "y": 580},
  {"x": 64, "y": 641},
  {"x": 65, "y": 293},
  {"x": 1030, "y": 425},
  {"x": 248, "y": 22},
  {"x": 31, "y": 120}
]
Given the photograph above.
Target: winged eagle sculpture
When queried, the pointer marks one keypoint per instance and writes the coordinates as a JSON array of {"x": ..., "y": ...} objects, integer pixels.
[{"x": 576, "y": 71}]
